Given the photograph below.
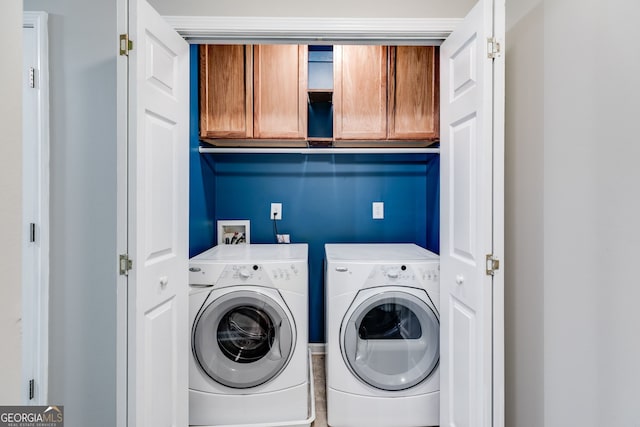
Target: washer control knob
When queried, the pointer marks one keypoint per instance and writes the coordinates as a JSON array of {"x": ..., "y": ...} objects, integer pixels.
[
  {"x": 393, "y": 273},
  {"x": 244, "y": 273},
  {"x": 459, "y": 279}
]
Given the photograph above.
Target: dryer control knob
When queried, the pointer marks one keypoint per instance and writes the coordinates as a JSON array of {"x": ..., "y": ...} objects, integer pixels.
[{"x": 244, "y": 273}]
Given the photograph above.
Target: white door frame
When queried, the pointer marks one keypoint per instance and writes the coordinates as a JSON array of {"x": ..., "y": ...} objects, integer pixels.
[
  {"x": 122, "y": 227},
  {"x": 208, "y": 29},
  {"x": 498, "y": 385},
  {"x": 35, "y": 246},
  {"x": 230, "y": 29}
]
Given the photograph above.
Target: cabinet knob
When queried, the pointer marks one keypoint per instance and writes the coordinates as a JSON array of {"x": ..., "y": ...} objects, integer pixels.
[{"x": 459, "y": 279}]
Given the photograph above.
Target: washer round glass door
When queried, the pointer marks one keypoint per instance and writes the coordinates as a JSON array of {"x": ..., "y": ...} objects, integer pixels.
[
  {"x": 391, "y": 340},
  {"x": 243, "y": 339}
]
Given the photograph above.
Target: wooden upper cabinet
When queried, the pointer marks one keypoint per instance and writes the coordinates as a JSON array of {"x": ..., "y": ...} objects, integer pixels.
[
  {"x": 253, "y": 92},
  {"x": 414, "y": 105},
  {"x": 259, "y": 94},
  {"x": 360, "y": 92},
  {"x": 226, "y": 91},
  {"x": 280, "y": 84}
]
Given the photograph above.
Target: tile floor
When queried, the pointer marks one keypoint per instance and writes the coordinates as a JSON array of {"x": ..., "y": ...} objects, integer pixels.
[{"x": 320, "y": 393}]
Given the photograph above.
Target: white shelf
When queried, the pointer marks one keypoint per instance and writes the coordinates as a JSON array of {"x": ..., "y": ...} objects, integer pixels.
[{"x": 301, "y": 150}]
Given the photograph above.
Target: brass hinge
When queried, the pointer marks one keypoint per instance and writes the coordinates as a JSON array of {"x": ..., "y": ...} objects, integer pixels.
[
  {"x": 493, "y": 264},
  {"x": 125, "y": 265},
  {"x": 125, "y": 45},
  {"x": 493, "y": 48}
]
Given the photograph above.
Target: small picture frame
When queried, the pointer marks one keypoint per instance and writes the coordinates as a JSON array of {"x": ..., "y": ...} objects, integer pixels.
[{"x": 234, "y": 232}]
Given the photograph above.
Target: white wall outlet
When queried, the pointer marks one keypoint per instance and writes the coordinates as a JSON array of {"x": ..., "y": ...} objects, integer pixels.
[
  {"x": 276, "y": 211},
  {"x": 378, "y": 210}
]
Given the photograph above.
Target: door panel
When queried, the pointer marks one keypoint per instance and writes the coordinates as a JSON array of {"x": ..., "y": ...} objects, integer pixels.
[
  {"x": 161, "y": 371},
  {"x": 158, "y": 220},
  {"x": 463, "y": 206},
  {"x": 467, "y": 387},
  {"x": 414, "y": 105},
  {"x": 160, "y": 227},
  {"x": 226, "y": 91},
  {"x": 280, "y": 85},
  {"x": 360, "y": 98},
  {"x": 463, "y": 68},
  {"x": 463, "y": 358}
]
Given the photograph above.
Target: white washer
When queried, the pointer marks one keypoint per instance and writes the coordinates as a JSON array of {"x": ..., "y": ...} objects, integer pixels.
[
  {"x": 248, "y": 309},
  {"x": 383, "y": 334}
]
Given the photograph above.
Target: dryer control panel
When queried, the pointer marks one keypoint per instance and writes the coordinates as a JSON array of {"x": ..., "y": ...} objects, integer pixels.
[{"x": 405, "y": 274}]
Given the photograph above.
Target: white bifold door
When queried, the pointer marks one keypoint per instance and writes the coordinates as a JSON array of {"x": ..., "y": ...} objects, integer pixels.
[
  {"x": 471, "y": 222},
  {"x": 158, "y": 200}
]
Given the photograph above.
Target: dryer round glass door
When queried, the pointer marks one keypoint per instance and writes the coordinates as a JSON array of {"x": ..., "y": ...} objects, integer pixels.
[
  {"x": 391, "y": 340},
  {"x": 243, "y": 339}
]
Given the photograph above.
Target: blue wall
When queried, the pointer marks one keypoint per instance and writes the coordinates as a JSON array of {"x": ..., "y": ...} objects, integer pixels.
[
  {"x": 202, "y": 224},
  {"x": 326, "y": 199}
]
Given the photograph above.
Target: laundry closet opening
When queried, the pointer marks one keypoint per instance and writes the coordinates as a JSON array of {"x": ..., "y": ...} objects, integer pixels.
[{"x": 326, "y": 198}]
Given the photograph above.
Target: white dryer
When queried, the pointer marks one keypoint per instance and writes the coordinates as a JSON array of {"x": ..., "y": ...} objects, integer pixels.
[
  {"x": 248, "y": 308},
  {"x": 383, "y": 334}
]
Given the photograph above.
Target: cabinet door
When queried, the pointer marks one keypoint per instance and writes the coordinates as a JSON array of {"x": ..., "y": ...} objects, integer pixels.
[
  {"x": 280, "y": 81},
  {"x": 414, "y": 111},
  {"x": 360, "y": 92},
  {"x": 226, "y": 93}
]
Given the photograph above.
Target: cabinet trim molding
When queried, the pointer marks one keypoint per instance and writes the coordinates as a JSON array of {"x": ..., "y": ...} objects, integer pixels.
[{"x": 207, "y": 29}]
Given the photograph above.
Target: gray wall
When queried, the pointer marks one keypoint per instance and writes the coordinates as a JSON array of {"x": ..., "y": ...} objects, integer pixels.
[
  {"x": 11, "y": 201},
  {"x": 572, "y": 204},
  {"x": 591, "y": 211},
  {"x": 83, "y": 44},
  {"x": 524, "y": 269}
]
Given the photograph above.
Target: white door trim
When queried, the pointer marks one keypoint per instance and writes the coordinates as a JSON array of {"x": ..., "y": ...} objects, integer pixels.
[
  {"x": 122, "y": 208},
  {"x": 498, "y": 371},
  {"x": 206, "y": 29},
  {"x": 35, "y": 301}
]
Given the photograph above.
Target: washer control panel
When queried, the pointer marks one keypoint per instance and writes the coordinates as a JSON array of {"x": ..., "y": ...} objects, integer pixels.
[
  {"x": 431, "y": 273},
  {"x": 258, "y": 274}
]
